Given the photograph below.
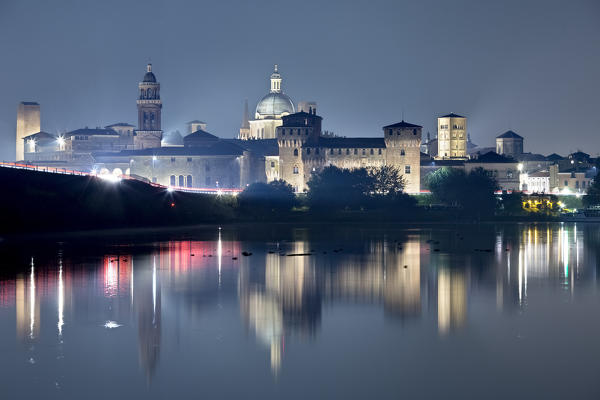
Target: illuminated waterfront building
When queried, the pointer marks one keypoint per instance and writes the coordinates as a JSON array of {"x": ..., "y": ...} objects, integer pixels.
[{"x": 452, "y": 137}]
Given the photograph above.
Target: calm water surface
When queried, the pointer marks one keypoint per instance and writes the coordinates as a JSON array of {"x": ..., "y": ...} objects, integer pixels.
[{"x": 348, "y": 312}]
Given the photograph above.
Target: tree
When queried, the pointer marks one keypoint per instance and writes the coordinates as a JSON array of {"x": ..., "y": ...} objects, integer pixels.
[
  {"x": 339, "y": 188},
  {"x": 274, "y": 197},
  {"x": 592, "y": 198},
  {"x": 473, "y": 192},
  {"x": 387, "y": 180}
]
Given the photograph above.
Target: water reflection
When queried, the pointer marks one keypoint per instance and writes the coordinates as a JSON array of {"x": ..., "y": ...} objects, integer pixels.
[{"x": 283, "y": 288}]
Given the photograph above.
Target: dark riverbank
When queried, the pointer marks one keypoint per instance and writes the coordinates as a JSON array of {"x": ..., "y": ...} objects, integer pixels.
[{"x": 42, "y": 202}]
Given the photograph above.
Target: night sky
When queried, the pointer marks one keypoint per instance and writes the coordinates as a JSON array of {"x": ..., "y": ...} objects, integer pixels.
[{"x": 530, "y": 66}]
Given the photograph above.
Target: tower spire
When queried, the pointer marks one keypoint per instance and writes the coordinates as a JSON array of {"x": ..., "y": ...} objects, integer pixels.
[{"x": 276, "y": 80}]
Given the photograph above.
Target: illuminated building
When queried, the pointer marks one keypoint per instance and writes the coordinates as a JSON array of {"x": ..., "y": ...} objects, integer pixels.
[
  {"x": 509, "y": 144},
  {"x": 452, "y": 137},
  {"x": 303, "y": 150},
  {"x": 149, "y": 133},
  {"x": 28, "y": 123}
]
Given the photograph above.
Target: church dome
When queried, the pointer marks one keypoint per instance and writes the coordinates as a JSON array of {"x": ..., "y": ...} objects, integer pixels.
[
  {"x": 275, "y": 104},
  {"x": 149, "y": 77}
]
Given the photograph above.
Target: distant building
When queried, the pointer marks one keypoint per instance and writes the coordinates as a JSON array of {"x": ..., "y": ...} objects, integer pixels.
[
  {"x": 569, "y": 182},
  {"x": 536, "y": 182},
  {"x": 195, "y": 125},
  {"x": 509, "y": 144},
  {"x": 269, "y": 111},
  {"x": 503, "y": 169},
  {"x": 149, "y": 133},
  {"x": 28, "y": 123},
  {"x": 452, "y": 137}
]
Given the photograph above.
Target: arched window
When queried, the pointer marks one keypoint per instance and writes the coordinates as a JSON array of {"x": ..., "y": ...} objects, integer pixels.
[
  {"x": 295, "y": 169},
  {"x": 172, "y": 180},
  {"x": 190, "y": 181},
  {"x": 181, "y": 180},
  {"x": 296, "y": 152}
]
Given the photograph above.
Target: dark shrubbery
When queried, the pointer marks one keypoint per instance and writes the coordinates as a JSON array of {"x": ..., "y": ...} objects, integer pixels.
[
  {"x": 472, "y": 192},
  {"x": 592, "y": 198},
  {"x": 267, "y": 198},
  {"x": 335, "y": 189}
]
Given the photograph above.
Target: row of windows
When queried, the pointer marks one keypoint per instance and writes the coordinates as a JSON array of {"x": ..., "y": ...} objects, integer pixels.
[
  {"x": 453, "y": 127},
  {"x": 576, "y": 184},
  {"x": 391, "y": 132},
  {"x": 291, "y": 131},
  {"x": 82, "y": 138},
  {"x": 182, "y": 181},
  {"x": 355, "y": 151}
]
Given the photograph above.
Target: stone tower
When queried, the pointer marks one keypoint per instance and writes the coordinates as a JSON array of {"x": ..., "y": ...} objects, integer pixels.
[
  {"x": 149, "y": 133},
  {"x": 298, "y": 132},
  {"x": 452, "y": 137},
  {"x": 403, "y": 151},
  {"x": 28, "y": 123}
]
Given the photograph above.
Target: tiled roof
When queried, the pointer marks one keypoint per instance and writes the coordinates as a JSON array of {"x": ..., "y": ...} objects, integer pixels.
[
  {"x": 492, "y": 157},
  {"x": 40, "y": 136},
  {"x": 509, "y": 135},
  {"x": 402, "y": 124},
  {"x": 92, "y": 132}
]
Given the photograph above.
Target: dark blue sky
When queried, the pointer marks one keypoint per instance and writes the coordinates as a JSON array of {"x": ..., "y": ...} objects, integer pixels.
[{"x": 531, "y": 66}]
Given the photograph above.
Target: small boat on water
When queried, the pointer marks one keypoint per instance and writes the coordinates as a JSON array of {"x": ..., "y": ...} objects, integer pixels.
[{"x": 591, "y": 214}]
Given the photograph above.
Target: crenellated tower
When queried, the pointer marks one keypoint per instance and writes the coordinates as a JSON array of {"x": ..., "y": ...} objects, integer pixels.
[{"x": 149, "y": 133}]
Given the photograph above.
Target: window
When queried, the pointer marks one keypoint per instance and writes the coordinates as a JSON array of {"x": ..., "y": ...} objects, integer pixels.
[
  {"x": 390, "y": 132},
  {"x": 407, "y": 169},
  {"x": 576, "y": 184},
  {"x": 402, "y": 152},
  {"x": 207, "y": 167},
  {"x": 189, "y": 159},
  {"x": 566, "y": 183},
  {"x": 181, "y": 181},
  {"x": 307, "y": 151},
  {"x": 295, "y": 169},
  {"x": 296, "y": 152},
  {"x": 190, "y": 181},
  {"x": 283, "y": 132},
  {"x": 339, "y": 151},
  {"x": 372, "y": 152},
  {"x": 207, "y": 181},
  {"x": 355, "y": 151},
  {"x": 306, "y": 132},
  {"x": 172, "y": 180},
  {"x": 291, "y": 131},
  {"x": 583, "y": 184},
  {"x": 172, "y": 159},
  {"x": 379, "y": 151},
  {"x": 347, "y": 151},
  {"x": 317, "y": 151},
  {"x": 509, "y": 174},
  {"x": 414, "y": 131},
  {"x": 330, "y": 151},
  {"x": 272, "y": 164}
]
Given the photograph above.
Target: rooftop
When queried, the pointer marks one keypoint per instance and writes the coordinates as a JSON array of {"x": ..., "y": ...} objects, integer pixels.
[
  {"x": 492, "y": 158},
  {"x": 402, "y": 124},
  {"x": 452, "y": 115},
  {"x": 92, "y": 132},
  {"x": 509, "y": 135}
]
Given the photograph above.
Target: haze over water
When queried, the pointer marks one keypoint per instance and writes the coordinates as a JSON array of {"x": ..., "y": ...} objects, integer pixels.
[{"x": 490, "y": 311}]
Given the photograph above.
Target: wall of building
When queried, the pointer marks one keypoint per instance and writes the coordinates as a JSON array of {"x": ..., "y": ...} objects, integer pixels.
[
  {"x": 506, "y": 174},
  {"x": 452, "y": 137},
  {"x": 404, "y": 152}
]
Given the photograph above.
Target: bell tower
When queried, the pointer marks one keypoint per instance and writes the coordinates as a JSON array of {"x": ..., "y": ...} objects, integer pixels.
[
  {"x": 276, "y": 80},
  {"x": 149, "y": 133}
]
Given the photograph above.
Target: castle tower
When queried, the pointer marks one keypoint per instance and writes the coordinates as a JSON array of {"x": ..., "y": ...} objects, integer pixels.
[
  {"x": 296, "y": 131},
  {"x": 28, "y": 123},
  {"x": 403, "y": 151},
  {"x": 452, "y": 137},
  {"x": 149, "y": 133}
]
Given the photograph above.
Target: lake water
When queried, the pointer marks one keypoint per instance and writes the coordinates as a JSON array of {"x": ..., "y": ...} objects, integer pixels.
[{"x": 316, "y": 311}]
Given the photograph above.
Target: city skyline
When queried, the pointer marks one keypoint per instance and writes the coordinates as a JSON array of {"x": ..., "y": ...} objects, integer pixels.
[{"x": 201, "y": 80}]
